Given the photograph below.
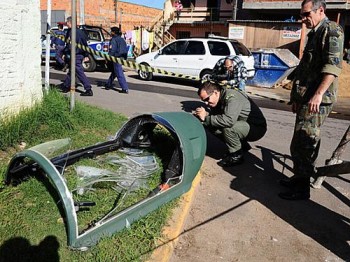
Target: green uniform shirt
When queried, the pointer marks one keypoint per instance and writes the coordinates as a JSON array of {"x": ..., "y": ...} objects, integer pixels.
[
  {"x": 323, "y": 53},
  {"x": 234, "y": 106}
]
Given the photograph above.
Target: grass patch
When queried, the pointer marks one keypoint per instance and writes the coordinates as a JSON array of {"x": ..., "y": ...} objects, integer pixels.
[{"x": 31, "y": 223}]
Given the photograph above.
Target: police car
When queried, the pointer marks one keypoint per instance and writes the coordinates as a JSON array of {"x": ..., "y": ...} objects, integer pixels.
[{"x": 97, "y": 38}]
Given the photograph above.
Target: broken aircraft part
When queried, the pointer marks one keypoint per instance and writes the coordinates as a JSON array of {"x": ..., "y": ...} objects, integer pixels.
[{"x": 138, "y": 134}]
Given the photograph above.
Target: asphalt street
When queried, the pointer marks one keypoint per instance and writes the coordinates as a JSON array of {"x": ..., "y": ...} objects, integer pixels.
[{"x": 235, "y": 214}]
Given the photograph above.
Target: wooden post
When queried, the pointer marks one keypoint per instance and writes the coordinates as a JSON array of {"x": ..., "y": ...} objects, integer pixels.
[{"x": 335, "y": 159}]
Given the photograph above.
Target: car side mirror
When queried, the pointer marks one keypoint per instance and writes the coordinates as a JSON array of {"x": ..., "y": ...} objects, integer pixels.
[{"x": 160, "y": 52}]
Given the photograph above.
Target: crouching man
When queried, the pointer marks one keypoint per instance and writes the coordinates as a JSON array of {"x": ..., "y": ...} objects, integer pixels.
[{"x": 233, "y": 117}]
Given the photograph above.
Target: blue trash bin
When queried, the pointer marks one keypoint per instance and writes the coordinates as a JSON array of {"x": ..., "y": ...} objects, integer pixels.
[{"x": 272, "y": 66}]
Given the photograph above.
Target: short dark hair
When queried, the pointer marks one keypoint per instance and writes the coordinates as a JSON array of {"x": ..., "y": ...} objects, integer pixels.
[
  {"x": 209, "y": 87},
  {"x": 116, "y": 30},
  {"x": 69, "y": 19}
]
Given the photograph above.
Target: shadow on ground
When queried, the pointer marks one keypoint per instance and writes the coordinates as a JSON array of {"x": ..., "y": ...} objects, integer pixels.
[
  {"x": 19, "y": 249},
  {"x": 258, "y": 180}
]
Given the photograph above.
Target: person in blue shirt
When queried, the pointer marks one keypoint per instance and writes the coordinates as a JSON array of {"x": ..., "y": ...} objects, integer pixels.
[
  {"x": 117, "y": 48},
  {"x": 80, "y": 56},
  {"x": 58, "y": 43}
]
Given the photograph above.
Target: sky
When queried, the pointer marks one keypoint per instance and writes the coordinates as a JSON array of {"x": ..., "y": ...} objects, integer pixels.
[{"x": 151, "y": 3}]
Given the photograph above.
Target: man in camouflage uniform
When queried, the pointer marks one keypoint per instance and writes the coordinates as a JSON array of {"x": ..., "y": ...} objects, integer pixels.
[
  {"x": 313, "y": 94},
  {"x": 233, "y": 117}
]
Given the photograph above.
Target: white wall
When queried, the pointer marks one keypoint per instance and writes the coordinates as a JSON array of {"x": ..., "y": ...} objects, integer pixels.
[{"x": 20, "y": 51}]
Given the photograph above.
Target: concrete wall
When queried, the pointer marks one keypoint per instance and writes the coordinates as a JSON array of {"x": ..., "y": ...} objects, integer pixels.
[{"x": 20, "y": 50}]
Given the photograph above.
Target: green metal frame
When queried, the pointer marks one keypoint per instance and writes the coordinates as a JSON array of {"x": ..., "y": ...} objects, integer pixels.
[{"x": 192, "y": 140}]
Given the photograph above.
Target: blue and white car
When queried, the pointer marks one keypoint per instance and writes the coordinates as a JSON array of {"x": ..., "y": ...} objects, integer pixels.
[{"x": 98, "y": 39}]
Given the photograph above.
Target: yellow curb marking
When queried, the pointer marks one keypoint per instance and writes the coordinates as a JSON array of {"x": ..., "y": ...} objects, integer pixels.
[{"x": 172, "y": 230}]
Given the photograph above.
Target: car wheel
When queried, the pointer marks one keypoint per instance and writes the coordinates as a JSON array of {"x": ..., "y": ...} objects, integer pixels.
[
  {"x": 145, "y": 75},
  {"x": 206, "y": 75},
  {"x": 90, "y": 65}
]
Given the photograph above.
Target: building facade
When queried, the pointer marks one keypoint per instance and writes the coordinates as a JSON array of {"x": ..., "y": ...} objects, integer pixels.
[{"x": 104, "y": 13}]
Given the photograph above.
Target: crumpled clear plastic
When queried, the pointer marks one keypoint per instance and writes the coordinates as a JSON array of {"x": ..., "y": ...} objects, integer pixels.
[{"x": 130, "y": 172}]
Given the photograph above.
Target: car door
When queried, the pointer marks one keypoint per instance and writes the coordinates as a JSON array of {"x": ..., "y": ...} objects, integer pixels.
[
  {"x": 193, "y": 58},
  {"x": 246, "y": 56},
  {"x": 167, "y": 58}
]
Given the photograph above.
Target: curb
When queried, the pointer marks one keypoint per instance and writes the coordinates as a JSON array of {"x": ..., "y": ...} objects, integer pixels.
[{"x": 172, "y": 231}]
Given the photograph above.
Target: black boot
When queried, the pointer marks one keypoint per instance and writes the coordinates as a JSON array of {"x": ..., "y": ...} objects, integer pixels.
[
  {"x": 245, "y": 146},
  {"x": 295, "y": 195},
  {"x": 299, "y": 188},
  {"x": 288, "y": 182},
  {"x": 87, "y": 93},
  {"x": 232, "y": 159}
]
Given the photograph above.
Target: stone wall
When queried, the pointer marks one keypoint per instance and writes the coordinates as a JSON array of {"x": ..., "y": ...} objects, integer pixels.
[
  {"x": 20, "y": 51},
  {"x": 102, "y": 13}
]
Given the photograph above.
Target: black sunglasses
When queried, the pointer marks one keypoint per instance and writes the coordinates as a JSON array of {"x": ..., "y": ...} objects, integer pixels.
[
  {"x": 307, "y": 14},
  {"x": 207, "y": 98}
]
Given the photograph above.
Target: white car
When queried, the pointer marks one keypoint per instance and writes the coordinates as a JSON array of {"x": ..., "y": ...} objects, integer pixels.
[{"x": 194, "y": 57}]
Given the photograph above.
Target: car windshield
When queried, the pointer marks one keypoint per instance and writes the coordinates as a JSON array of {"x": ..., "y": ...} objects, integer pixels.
[{"x": 240, "y": 49}]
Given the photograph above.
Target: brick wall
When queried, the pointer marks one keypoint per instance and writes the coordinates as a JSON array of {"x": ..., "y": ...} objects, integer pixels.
[
  {"x": 102, "y": 13},
  {"x": 20, "y": 51}
]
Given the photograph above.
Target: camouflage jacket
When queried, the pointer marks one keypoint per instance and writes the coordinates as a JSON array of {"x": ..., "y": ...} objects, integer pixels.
[{"x": 323, "y": 54}]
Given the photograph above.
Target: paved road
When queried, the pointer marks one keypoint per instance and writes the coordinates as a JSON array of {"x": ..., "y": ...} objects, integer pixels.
[
  {"x": 236, "y": 214},
  {"x": 169, "y": 94}
]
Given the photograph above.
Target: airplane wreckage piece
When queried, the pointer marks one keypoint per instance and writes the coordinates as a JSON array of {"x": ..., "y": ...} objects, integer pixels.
[{"x": 138, "y": 133}]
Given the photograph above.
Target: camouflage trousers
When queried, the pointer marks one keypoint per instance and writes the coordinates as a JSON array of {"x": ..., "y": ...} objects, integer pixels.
[
  {"x": 306, "y": 140},
  {"x": 240, "y": 131}
]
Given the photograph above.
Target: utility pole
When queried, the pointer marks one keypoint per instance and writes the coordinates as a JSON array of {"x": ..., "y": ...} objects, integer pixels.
[
  {"x": 234, "y": 9},
  {"x": 82, "y": 12},
  {"x": 116, "y": 11},
  {"x": 47, "y": 54},
  {"x": 72, "y": 55},
  {"x": 121, "y": 14}
]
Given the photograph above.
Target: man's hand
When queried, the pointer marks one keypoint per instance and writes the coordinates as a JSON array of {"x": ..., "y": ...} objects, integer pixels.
[
  {"x": 200, "y": 113},
  {"x": 314, "y": 103},
  {"x": 86, "y": 59}
]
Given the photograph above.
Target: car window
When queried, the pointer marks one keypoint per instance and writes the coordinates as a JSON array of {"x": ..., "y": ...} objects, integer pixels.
[
  {"x": 174, "y": 48},
  {"x": 195, "y": 48},
  {"x": 240, "y": 49},
  {"x": 93, "y": 35},
  {"x": 218, "y": 48}
]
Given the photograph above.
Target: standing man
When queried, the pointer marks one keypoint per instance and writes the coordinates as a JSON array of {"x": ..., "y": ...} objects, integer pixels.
[
  {"x": 313, "y": 94},
  {"x": 58, "y": 44},
  {"x": 117, "y": 48},
  {"x": 79, "y": 57},
  {"x": 231, "y": 71},
  {"x": 233, "y": 117}
]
